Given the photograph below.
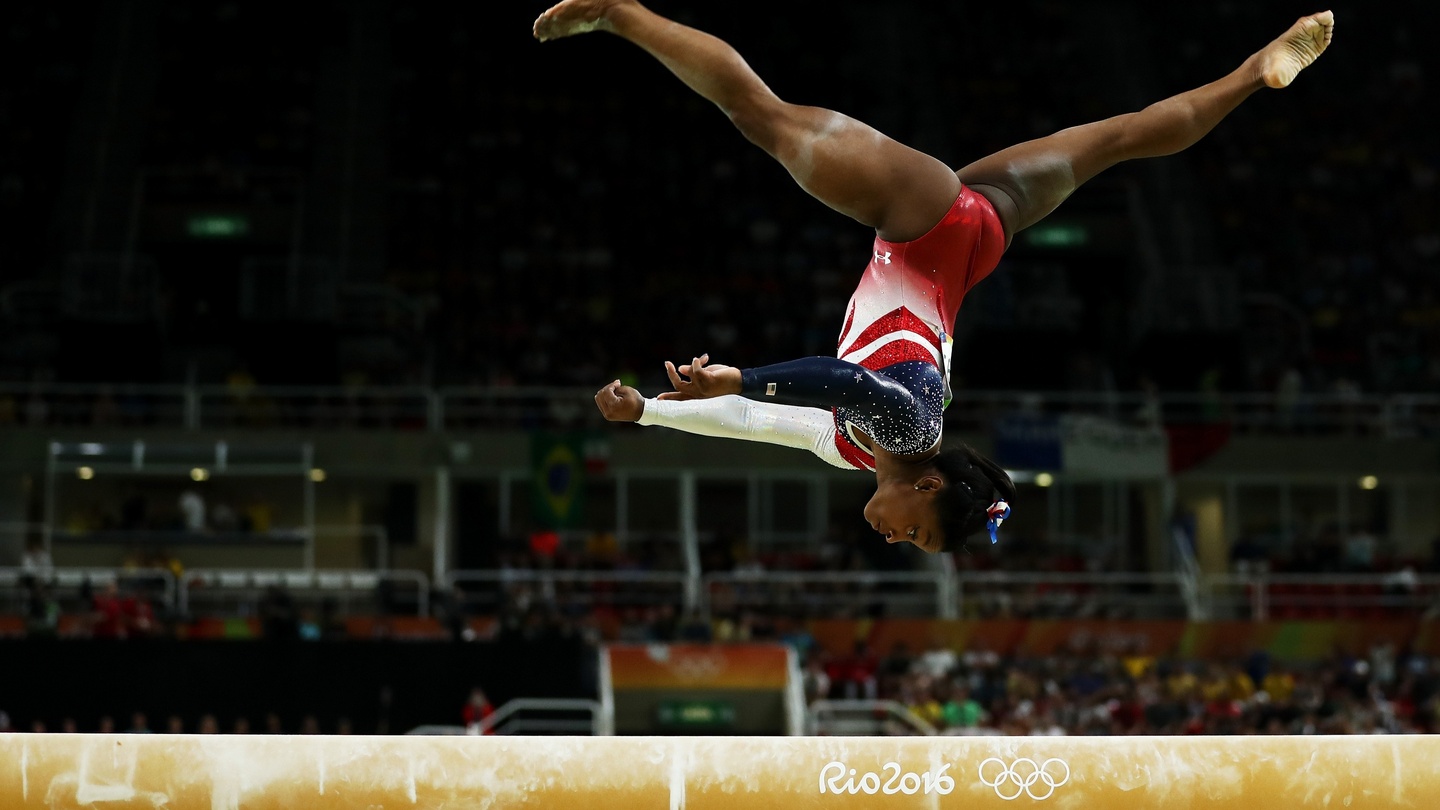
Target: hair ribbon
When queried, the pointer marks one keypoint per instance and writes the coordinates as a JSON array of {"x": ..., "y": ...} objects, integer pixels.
[{"x": 998, "y": 512}]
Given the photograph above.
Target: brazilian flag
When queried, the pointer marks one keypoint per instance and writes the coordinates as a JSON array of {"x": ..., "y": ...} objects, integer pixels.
[{"x": 558, "y": 466}]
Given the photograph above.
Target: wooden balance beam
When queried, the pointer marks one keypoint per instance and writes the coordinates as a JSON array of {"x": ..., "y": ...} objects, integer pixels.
[{"x": 181, "y": 772}]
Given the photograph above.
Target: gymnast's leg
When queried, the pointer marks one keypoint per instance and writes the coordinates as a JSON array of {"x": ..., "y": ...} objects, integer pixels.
[
  {"x": 842, "y": 162},
  {"x": 1033, "y": 178}
]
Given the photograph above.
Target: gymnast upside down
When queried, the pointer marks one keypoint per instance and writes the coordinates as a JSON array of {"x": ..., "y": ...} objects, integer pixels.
[{"x": 878, "y": 404}]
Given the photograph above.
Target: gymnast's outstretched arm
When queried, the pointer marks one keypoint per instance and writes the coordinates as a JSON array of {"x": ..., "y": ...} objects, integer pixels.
[
  {"x": 817, "y": 382},
  {"x": 728, "y": 418}
]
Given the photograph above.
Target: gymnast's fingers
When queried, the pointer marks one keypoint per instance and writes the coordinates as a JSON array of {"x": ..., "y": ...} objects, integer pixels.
[
  {"x": 674, "y": 376},
  {"x": 605, "y": 397}
]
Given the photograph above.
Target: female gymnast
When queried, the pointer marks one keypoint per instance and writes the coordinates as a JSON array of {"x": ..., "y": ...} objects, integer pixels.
[{"x": 877, "y": 405}]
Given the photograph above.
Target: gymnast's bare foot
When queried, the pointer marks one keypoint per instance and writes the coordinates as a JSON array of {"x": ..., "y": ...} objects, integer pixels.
[
  {"x": 1282, "y": 60},
  {"x": 576, "y": 17}
]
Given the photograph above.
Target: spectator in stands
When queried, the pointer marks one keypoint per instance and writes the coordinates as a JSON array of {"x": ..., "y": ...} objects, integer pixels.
[
  {"x": 68, "y": 725},
  {"x": 108, "y": 613},
  {"x": 695, "y": 628},
  {"x": 476, "y": 710},
  {"x": 1360, "y": 549},
  {"x": 174, "y": 725},
  {"x": 106, "y": 724},
  {"x": 5, "y": 723},
  {"x": 35, "y": 561},
  {"x": 816, "y": 679},
  {"x": 138, "y": 724},
  {"x": 37, "y": 726},
  {"x": 961, "y": 710},
  {"x": 241, "y": 725},
  {"x": 309, "y": 724},
  {"x": 42, "y": 610},
  {"x": 854, "y": 677},
  {"x": 273, "y": 724},
  {"x": 939, "y": 661},
  {"x": 896, "y": 665},
  {"x": 450, "y": 608},
  {"x": 279, "y": 618},
  {"x": 208, "y": 725},
  {"x": 343, "y": 726},
  {"x": 919, "y": 697},
  {"x": 192, "y": 510},
  {"x": 117, "y": 614}
]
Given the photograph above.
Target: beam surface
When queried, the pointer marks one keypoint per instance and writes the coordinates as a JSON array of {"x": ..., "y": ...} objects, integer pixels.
[{"x": 180, "y": 772}]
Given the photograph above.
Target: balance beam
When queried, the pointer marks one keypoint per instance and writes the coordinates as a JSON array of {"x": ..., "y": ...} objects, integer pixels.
[{"x": 181, "y": 772}]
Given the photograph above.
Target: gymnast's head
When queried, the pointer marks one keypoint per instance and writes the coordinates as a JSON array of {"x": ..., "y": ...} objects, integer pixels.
[{"x": 954, "y": 495}]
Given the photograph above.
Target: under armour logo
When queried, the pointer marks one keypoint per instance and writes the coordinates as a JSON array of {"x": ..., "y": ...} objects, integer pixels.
[{"x": 883, "y": 258}]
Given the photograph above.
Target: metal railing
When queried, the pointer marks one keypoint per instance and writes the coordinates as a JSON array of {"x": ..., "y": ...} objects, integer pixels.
[
  {"x": 229, "y": 590},
  {"x": 839, "y": 593},
  {"x": 864, "y": 718},
  {"x": 71, "y": 586},
  {"x": 399, "y": 408},
  {"x": 1263, "y": 596},
  {"x": 1255, "y": 596},
  {"x": 406, "y": 409},
  {"x": 971, "y": 594},
  {"x": 558, "y": 716},
  {"x": 1072, "y": 595},
  {"x": 493, "y": 590}
]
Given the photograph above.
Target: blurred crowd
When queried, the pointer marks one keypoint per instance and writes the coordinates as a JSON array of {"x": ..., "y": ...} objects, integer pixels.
[
  {"x": 977, "y": 691},
  {"x": 140, "y": 723},
  {"x": 1087, "y": 692}
]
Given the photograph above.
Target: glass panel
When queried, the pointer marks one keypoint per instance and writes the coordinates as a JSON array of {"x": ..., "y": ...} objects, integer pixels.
[
  {"x": 791, "y": 501},
  {"x": 600, "y": 504},
  {"x": 722, "y": 506},
  {"x": 654, "y": 505}
]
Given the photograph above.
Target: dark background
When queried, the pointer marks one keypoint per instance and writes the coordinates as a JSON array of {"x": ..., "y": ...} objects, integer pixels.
[
  {"x": 435, "y": 198},
  {"x": 427, "y": 682}
]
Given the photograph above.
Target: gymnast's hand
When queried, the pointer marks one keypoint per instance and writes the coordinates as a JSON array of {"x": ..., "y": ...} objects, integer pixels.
[
  {"x": 705, "y": 381},
  {"x": 619, "y": 403}
]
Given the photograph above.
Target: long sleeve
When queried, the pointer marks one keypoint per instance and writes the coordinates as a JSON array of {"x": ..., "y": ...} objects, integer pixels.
[
  {"x": 827, "y": 382},
  {"x": 899, "y": 409},
  {"x": 733, "y": 417}
]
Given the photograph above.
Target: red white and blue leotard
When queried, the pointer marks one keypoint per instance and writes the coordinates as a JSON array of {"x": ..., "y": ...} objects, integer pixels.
[{"x": 890, "y": 376}]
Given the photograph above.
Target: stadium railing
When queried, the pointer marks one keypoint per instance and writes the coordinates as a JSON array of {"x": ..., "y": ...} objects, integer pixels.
[
  {"x": 826, "y": 593},
  {"x": 1263, "y": 596},
  {"x": 417, "y": 409},
  {"x": 1073, "y": 595},
  {"x": 864, "y": 718},
  {"x": 400, "y": 592},
  {"x": 1102, "y": 595},
  {"x": 492, "y": 590},
  {"x": 71, "y": 587},
  {"x": 543, "y": 716},
  {"x": 1252, "y": 596}
]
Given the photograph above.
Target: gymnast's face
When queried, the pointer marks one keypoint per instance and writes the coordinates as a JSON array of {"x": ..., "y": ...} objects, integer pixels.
[{"x": 904, "y": 511}]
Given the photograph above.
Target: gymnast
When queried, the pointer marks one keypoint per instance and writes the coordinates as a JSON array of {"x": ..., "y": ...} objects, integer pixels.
[{"x": 878, "y": 404}]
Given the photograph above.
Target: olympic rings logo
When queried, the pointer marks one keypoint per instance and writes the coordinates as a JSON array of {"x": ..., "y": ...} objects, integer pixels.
[{"x": 1024, "y": 776}]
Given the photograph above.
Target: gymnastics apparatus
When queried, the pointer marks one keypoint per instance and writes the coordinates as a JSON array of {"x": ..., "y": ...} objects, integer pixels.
[{"x": 215, "y": 772}]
